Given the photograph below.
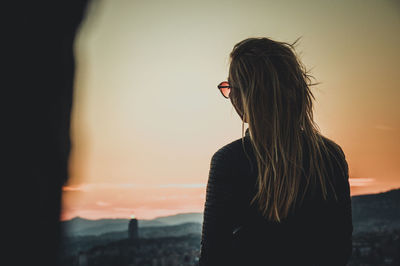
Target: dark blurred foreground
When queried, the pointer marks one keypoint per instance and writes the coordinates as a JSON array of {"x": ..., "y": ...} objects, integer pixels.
[{"x": 39, "y": 63}]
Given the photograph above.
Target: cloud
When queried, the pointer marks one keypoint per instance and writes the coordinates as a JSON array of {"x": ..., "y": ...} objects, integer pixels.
[
  {"x": 194, "y": 185},
  {"x": 102, "y": 204},
  {"x": 360, "y": 182},
  {"x": 100, "y": 186},
  {"x": 111, "y": 186},
  {"x": 71, "y": 188}
]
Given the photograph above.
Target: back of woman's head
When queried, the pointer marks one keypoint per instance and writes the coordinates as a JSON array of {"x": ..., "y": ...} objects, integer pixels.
[{"x": 271, "y": 91}]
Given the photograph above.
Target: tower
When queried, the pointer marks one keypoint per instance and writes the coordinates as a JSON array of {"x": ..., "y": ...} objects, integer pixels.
[{"x": 133, "y": 228}]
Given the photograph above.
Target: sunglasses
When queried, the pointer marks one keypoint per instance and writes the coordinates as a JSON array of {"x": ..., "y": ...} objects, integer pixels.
[{"x": 225, "y": 89}]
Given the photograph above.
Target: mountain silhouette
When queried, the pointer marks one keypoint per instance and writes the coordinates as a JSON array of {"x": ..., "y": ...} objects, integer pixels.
[
  {"x": 84, "y": 227},
  {"x": 376, "y": 212},
  {"x": 371, "y": 213}
]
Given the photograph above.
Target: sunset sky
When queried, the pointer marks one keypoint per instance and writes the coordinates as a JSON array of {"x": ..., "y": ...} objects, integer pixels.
[{"x": 147, "y": 116}]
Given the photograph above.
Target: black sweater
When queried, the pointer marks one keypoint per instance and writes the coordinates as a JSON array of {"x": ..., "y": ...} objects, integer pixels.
[{"x": 234, "y": 233}]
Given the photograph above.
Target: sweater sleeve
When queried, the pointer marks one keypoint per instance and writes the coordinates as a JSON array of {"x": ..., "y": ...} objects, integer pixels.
[
  {"x": 216, "y": 239},
  {"x": 347, "y": 223},
  {"x": 339, "y": 248}
]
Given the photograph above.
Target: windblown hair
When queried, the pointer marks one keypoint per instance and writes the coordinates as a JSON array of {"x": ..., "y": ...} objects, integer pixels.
[{"x": 271, "y": 91}]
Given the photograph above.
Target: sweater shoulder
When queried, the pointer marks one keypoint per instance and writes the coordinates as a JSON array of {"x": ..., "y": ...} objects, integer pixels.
[
  {"x": 231, "y": 150},
  {"x": 333, "y": 146}
]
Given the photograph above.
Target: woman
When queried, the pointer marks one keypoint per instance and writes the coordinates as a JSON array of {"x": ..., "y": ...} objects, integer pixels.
[{"x": 279, "y": 195}]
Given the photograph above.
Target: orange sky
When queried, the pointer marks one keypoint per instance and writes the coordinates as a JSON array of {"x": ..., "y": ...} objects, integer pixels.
[{"x": 147, "y": 116}]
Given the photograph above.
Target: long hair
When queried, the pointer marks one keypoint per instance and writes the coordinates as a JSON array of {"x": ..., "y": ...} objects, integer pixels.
[{"x": 271, "y": 91}]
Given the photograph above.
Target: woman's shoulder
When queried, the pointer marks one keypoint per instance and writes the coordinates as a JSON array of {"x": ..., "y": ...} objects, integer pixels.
[
  {"x": 332, "y": 145},
  {"x": 337, "y": 159},
  {"x": 335, "y": 153},
  {"x": 232, "y": 150}
]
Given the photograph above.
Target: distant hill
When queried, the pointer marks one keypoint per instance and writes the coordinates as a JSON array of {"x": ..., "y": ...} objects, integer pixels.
[
  {"x": 171, "y": 230},
  {"x": 373, "y": 212},
  {"x": 85, "y": 227},
  {"x": 173, "y": 219},
  {"x": 376, "y": 212}
]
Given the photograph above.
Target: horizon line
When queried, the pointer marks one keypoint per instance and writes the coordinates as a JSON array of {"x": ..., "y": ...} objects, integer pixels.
[{"x": 182, "y": 213}]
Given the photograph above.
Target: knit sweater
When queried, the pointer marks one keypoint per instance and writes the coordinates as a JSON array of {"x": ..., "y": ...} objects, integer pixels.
[{"x": 318, "y": 232}]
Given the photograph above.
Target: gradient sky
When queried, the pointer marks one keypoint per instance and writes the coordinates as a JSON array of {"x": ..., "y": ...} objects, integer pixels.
[{"x": 147, "y": 116}]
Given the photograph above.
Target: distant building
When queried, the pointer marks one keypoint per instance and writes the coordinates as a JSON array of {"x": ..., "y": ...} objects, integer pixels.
[
  {"x": 133, "y": 228},
  {"x": 82, "y": 259}
]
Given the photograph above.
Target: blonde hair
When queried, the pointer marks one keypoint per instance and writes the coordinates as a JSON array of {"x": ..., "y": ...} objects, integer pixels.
[{"x": 271, "y": 88}]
